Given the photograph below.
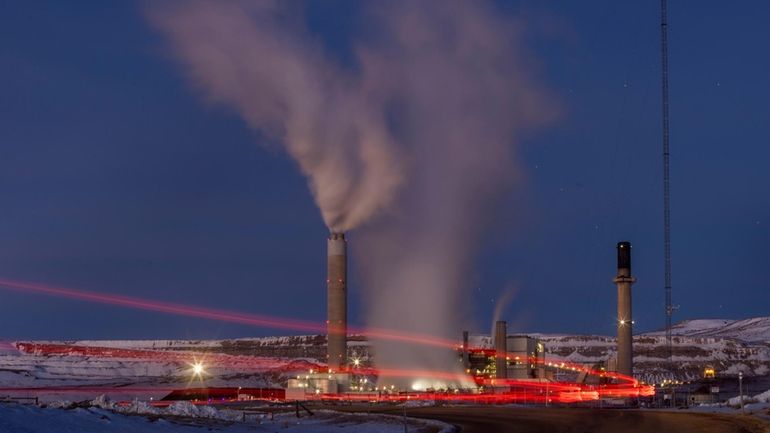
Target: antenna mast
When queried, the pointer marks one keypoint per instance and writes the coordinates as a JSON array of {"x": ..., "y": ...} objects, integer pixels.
[{"x": 666, "y": 188}]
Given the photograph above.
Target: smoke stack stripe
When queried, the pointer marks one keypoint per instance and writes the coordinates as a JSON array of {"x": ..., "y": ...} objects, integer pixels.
[
  {"x": 336, "y": 285},
  {"x": 624, "y": 280}
]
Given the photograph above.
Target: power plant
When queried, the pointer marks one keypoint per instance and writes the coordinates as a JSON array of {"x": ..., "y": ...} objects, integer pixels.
[
  {"x": 624, "y": 280},
  {"x": 337, "y": 304},
  {"x": 512, "y": 367},
  {"x": 502, "y": 344}
]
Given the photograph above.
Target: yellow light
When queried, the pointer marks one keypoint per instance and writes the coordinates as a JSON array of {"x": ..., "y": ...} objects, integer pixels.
[{"x": 356, "y": 362}]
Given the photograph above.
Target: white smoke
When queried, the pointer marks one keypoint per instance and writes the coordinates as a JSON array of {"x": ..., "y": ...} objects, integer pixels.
[
  {"x": 423, "y": 127},
  {"x": 257, "y": 57},
  {"x": 502, "y": 302}
]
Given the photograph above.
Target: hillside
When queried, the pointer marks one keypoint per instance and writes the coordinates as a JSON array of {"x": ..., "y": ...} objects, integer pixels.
[{"x": 729, "y": 346}]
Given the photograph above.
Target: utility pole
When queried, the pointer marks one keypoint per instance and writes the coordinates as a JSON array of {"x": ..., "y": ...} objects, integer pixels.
[{"x": 740, "y": 390}]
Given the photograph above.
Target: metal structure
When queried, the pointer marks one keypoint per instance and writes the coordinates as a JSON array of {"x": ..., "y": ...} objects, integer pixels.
[
  {"x": 624, "y": 280},
  {"x": 666, "y": 183},
  {"x": 337, "y": 304}
]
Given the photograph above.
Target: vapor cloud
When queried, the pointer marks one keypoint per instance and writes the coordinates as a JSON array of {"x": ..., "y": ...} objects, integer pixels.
[
  {"x": 416, "y": 139},
  {"x": 257, "y": 57}
]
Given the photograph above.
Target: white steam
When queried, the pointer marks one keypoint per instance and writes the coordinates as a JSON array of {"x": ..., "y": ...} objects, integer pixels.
[
  {"x": 422, "y": 126},
  {"x": 257, "y": 57},
  {"x": 502, "y": 302}
]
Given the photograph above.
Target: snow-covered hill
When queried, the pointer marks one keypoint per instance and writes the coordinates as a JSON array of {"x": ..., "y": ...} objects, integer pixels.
[
  {"x": 729, "y": 346},
  {"x": 756, "y": 330}
]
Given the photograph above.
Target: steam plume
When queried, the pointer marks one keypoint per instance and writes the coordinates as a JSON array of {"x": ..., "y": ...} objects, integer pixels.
[
  {"x": 423, "y": 127},
  {"x": 503, "y": 300},
  {"x": 257, "y": 57}
]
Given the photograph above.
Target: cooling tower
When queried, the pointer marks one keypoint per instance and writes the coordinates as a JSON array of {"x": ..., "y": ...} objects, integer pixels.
[
  {"x": 337, "y": 305},
  {"x": 624, "y": 280},
  {"x": 501, "y": 350}
]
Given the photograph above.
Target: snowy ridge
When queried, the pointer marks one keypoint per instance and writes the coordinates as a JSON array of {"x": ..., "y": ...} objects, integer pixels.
[
  {"x": 749, "y": 330},
  {"x": 730, "y": 346}
]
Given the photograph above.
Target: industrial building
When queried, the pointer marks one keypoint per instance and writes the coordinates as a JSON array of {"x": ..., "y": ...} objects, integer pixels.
[
  {"x": 488, "y": 359},
  {"x": 316, "y": 384},
  {"x": 504, "y": 356}
]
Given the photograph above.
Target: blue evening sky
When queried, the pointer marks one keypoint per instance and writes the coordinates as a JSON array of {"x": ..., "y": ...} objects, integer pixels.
[{"x": 115, "y": 176}]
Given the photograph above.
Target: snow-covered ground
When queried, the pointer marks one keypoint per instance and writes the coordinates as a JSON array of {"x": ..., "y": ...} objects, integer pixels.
[
  {"x": 31, "y": 419},
  {"x": 754, "y": 405}
]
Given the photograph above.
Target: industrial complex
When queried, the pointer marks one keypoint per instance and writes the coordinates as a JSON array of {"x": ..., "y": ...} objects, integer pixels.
[{"x": 507, "y": 366}]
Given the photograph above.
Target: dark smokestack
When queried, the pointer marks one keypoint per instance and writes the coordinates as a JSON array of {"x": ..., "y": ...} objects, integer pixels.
[
  {"x": 624, "y": 255},
  {"x": 501, "y": 349},
  {"x": 624, "y": 280},
  {"x": 466, "y": 356},
  {"x": 336, "y": 304}
]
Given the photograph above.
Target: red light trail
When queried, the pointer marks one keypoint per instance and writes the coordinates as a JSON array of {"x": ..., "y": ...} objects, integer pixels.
[
  {"x": 214, "y": 314},
  {"x": 513, "y": 390},
  {"x": 254, "y": 363},
  {"x": 519, "y": 390}
]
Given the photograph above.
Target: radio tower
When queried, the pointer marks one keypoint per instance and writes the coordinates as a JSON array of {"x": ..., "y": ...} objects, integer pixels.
[{"x": 666, "y": 188}]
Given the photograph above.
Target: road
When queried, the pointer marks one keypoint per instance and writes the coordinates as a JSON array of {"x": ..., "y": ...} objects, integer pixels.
[{"x": 491, "y": 419}]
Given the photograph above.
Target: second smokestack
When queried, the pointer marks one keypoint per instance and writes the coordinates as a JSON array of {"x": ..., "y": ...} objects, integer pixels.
[
  {"x": 501, "y": 349},
  {"x": 624, "y": 280},
  {"x": 336, "y": 303}
]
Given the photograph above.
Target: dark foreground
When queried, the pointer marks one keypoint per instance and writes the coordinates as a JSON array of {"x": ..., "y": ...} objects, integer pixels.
[{"x": 490, "y": 419}]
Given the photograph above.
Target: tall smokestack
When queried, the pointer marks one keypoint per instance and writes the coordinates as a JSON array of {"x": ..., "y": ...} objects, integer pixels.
[
  {"x": 336, "y": 302},
  {"x": 624, "y": 280},
  {"x": 501, "y": 349}
]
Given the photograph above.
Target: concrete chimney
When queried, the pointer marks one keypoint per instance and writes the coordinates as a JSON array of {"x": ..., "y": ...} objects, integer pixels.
[
  {"x": 624, "y": 280},
  {"x": 336, "y": 303},
  {"x": 501, "y": 349}
]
